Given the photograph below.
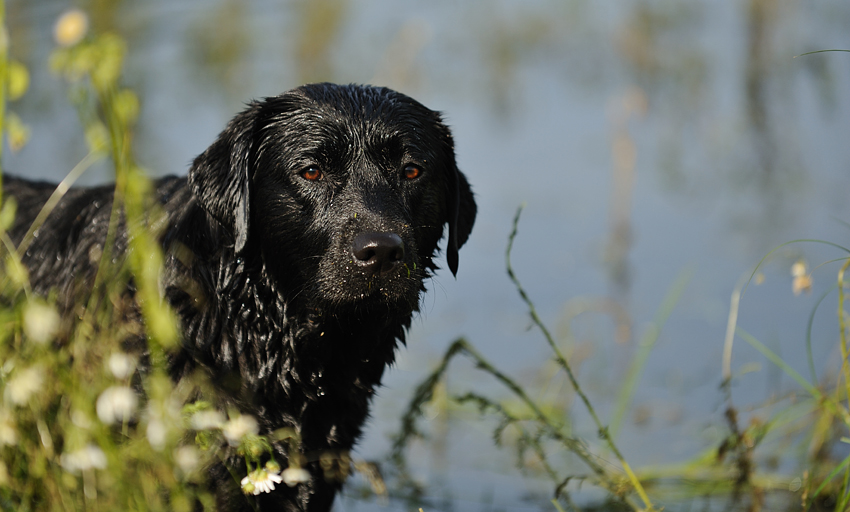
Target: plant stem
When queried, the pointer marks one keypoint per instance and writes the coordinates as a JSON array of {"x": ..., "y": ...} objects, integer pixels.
[
  {"x": 562, "y": 361},
  {"x": 4, "y": 80},
  {"x": 647, "y": 342},
  {"x": 842, "y": 328}
]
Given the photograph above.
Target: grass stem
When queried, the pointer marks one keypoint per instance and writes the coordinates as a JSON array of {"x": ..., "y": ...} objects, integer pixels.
[{"x": 603, "y": 431}]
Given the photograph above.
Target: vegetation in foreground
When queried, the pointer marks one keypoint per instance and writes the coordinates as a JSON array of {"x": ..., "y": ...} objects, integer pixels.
[{"x": 736, "y": 474}]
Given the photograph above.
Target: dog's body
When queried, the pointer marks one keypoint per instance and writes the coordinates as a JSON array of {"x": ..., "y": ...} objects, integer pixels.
[{"x": 304, "y": 234}]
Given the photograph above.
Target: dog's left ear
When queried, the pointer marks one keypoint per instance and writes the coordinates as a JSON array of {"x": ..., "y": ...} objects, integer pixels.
[
  {"x": 460, "y": 202},
  {"x": 462, "y": 210},
  {"x": 220, "y": 177}
]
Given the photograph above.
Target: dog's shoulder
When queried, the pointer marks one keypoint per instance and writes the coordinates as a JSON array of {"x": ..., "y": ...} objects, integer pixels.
[{"x": 27, "y": 191}]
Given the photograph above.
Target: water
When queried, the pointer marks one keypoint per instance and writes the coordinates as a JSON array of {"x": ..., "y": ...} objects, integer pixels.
[{"x": 646, "y": 139}]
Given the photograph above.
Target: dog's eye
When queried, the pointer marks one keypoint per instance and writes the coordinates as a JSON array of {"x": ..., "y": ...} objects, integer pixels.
[
  {"x": 312, "y": 174},
  {"x": 411, "y": 172}
]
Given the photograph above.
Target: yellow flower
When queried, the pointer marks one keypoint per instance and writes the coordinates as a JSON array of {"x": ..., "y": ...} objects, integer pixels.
[
  {"x": 802, "y": 278},
  {"x": 273, "y": 467},
  {"x": 71, "y": 27}
]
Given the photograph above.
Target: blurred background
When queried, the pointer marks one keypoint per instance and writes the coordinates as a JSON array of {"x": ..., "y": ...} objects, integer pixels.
[{"x": 646, "y": 138}]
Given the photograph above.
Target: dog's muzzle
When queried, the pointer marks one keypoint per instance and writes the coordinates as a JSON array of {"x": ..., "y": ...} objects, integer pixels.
[{"x": 378, "y": 253}]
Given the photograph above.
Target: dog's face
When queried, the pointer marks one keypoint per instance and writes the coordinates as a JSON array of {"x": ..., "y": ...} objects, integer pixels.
[{"x": 343, "y": 190}]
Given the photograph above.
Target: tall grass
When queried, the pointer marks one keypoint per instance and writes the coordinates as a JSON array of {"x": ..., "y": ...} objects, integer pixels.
[
  {"x": 539, "y": 429},
  {"x": 89, "y": 419},
  {"x": 735, "y": 474}
]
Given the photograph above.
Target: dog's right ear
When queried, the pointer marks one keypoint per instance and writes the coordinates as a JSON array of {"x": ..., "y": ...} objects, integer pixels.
[{"x": 221, "y": 176}]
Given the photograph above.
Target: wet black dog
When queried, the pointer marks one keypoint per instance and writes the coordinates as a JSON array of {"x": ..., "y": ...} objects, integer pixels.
[{"x": 305, "y": 232}]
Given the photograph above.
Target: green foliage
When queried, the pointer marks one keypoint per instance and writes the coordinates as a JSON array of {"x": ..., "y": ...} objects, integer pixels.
[
  {"x": 540, "y": 433},
  {"x": 89, "y": 418},
  {"x": 538, "y": 430}
]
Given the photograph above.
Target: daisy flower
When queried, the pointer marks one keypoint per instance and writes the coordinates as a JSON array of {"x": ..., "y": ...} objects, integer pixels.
[
  {"x": 237, "y": 428},
  {"x": 259, "y": 481},
  {"x": 206, "y": 420},
  {"x": 24, "y": 384},
  {"x": 157, "y": 434},
  {"x": 83, "y": 459},
  {"x": 41, "y": 322},
  {"x": 121, "y": 365},
  {"x": 294, "y": 476},
  {"x": 8, "y": 434},
  {"x": 187, "y": 458},
  {"x": 116, "y": 404}
]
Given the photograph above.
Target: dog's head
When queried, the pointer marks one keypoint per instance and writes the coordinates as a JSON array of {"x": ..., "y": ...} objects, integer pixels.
[{"x": 343, "y": 191}]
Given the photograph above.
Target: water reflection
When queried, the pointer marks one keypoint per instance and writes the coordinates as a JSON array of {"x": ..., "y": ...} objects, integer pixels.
[
  {"x": 762, "y": 17},
  {"x": 623, "y": 109},
  {"x": 398, "y": 67},
  {"x": 319, "y": 24},
  {"x": 219, "y": 44}
]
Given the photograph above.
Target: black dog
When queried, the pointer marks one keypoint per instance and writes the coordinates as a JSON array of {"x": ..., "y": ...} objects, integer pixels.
[{"x": 305, "y": 232}]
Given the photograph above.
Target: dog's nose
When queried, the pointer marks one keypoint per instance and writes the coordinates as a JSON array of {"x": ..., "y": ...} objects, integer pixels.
[{"x": 378, "y": 253}]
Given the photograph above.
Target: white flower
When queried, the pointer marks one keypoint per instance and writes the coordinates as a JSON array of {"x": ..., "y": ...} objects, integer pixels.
[
  {"x": 206, "y": 420},
  {"x": 24, "y": 384},
  {"x": 80, "y": 419},
  {"x": 259, "y": 481},
  {"x": 239, "y": 427},
  {"x": 85, "y": 458},
  {"x": 156, "y": 433},
  {"x": 121, "y": 365},
  {"x": 294, "y": 476},
  {"x": 41, "y": 322},
  {"x": 161, "y": 416},
  {"x": 116, "y": 404},
  {"x": 8, "y": 434},
  {"x": 187, "y": 458}
]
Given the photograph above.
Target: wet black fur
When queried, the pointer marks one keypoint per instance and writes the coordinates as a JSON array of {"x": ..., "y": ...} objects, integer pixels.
[{"x": 259, "y": 261}]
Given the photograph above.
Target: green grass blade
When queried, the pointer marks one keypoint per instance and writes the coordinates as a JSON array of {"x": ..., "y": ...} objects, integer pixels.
[
  {"x": 645, "y": 346},
  {"x": 840, "y": 221},
  {"x": 809, "y": 333},
  {"x": 604, "y": 433},
  {"x": 775, "y": 359},
  {"x": 812, "y": 390},
  {"x": 819, "y": 51},
  {"x": 832, "y": 474}
]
